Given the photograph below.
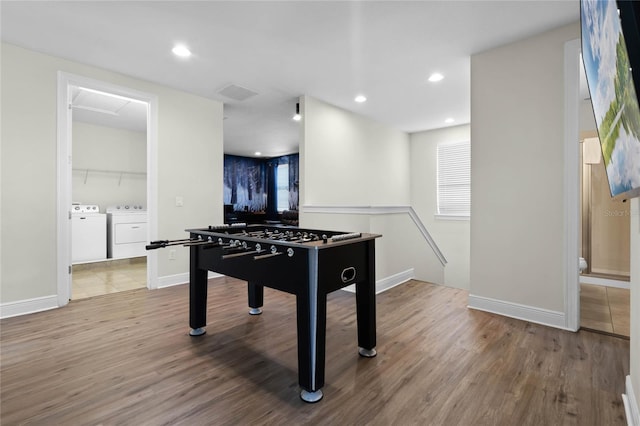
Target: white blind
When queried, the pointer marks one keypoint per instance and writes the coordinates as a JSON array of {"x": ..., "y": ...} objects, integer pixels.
[
  {"x": 282, "y": 187},
  {"x": 454, "y": 178}
]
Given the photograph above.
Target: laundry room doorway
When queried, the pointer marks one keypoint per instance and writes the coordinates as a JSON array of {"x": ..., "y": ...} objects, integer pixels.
[{"x": 107, "y": 184}]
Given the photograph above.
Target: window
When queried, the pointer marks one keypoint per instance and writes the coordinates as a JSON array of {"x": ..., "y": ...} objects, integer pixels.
[
  {"x": 454, "y": 180},
  {"x": 282, "y": 187}
]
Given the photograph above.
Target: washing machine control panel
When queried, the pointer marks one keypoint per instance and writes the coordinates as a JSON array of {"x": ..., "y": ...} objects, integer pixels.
[
  {"x": 125, "y": 208},
  {"x": 85, "y": 208}
]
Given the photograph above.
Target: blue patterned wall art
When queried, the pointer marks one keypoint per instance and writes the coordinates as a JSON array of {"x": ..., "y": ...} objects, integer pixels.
[{"x": 247, "y": 182}]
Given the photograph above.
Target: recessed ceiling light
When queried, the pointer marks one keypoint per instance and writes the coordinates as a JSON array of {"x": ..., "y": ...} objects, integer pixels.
[
  {"x": 360, "y": 99},
  {"x": 181, "y": 50},
  {"x": 258, "y": 153},
  {"x": 436, "y": 76},
  {"x": 449, "y": 120}
]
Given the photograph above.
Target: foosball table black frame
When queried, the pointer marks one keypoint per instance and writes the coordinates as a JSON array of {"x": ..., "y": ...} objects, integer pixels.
[{"x": 308, "y": 268}]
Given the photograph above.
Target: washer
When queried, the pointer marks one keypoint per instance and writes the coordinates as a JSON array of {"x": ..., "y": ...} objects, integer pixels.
[
  {"x": 88, "y": 233},
  {"x": 126, "y": 231}
]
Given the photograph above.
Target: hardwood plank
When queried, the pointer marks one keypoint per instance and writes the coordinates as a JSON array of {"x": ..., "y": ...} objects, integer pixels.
[{"x": 127, "y": 358}]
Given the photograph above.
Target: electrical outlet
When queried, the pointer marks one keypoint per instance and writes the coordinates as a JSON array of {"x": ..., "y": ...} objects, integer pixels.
[{"x": 172, "y": 254}]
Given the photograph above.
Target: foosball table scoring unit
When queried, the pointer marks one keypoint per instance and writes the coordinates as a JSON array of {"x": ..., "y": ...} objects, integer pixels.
[{"x": 305, "y": 262}]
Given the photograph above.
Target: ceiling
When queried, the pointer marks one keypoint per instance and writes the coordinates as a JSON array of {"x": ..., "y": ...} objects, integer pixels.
[{"x": 281, "y": 50}]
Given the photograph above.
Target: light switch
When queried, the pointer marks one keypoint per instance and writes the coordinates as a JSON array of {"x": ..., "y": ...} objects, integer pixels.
[{"x": 179, "y": 202}]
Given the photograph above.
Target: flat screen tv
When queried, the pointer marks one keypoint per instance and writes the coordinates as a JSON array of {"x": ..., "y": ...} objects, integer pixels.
[{"x": 611, "y": 70}]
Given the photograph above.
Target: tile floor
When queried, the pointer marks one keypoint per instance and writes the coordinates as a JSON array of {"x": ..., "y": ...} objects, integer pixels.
[
  {"x": 605, "y": 309},
  {"x": 94, "y": 279}
]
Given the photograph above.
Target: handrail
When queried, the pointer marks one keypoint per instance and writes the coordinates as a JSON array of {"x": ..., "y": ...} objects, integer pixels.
[
  {"x": 376, "y": 210},
  {"x": 427, "y": 236}
]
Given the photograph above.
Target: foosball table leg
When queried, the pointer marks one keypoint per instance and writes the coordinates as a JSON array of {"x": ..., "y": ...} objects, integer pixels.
[{"x": 256, "y": 298}]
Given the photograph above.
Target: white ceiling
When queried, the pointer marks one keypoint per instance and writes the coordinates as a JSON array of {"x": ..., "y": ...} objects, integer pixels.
[{"x": 282, "y": 50}]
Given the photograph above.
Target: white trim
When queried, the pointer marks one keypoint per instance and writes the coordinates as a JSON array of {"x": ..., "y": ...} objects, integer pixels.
[
  {"x": 515, "y": 310},
  {"x": 63, "y": 227},
  {"x": 389, "y": 282},
  {"x": 64, "y": 123},
  {"x": 171, "y": 280},
  {"x": 604, "y": 282},
  {"x": 28, "y": 306},
  {"x": 152, "y": 190},
  {"x": 451, "y": 217},
  {"x": 571, "y": 184},
  {"x": 179, "y": 279},
  {"x": 368, "y": 210},
  {"x": 631, "y": 404},
  {"x": 381, "y": 210}
]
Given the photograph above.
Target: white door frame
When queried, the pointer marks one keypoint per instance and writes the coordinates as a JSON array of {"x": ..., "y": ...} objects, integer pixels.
[
  {"x": 572, "y": 182},
  {"x": 64, "y": 176}
]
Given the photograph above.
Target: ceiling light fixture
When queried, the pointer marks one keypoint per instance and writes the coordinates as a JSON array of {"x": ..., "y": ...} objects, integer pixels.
[
  {"x": 181, "y": 51},
  {"x": 449, "y": 120},
  {"x": 360, "y": 99},
  {"x": 297, "y": 115},
  {"x": 435, "y": 77}
]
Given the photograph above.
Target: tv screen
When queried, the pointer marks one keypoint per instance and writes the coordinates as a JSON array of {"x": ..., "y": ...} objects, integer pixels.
[{"x": 613, "y": 94}]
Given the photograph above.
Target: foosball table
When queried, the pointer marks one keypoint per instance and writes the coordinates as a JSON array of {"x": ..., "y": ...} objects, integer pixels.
[{"x": 305, "y": 262}]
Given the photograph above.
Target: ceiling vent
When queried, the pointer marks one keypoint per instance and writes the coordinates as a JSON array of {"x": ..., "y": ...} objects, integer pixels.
[{"x": 237, "y": 93}]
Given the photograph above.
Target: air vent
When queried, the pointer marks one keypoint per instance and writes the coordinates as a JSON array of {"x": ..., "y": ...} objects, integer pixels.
[{"x": 237, "y": 93}]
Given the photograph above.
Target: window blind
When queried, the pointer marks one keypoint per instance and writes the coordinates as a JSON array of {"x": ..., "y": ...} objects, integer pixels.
[{"x": 454, "y": 178}]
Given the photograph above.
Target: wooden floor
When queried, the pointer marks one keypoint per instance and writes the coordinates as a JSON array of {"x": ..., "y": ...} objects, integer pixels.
[
  {"x": 605, "y": 309},
  {"x": 126, "y": 359}
]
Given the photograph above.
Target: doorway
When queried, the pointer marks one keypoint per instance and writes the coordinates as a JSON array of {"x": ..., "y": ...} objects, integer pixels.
[
  {"x": 605, "y": 232},
  {"x": 106, "y": 154},
  {"x": 604, "y": 235},
  {"x": 109, "y": 152}
]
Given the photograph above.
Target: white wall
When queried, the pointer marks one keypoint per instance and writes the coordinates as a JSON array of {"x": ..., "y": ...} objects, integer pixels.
[
  {"x": 517, "y": 173},
  {"x": 97, "y": 149},
  {"x": 452, "y": 236},
  {"x": 347, "y": 160},
  {"x": 586, "y": 118},
  {"x": 351, "y": 160},
  {"x": 189, "y": 162}
]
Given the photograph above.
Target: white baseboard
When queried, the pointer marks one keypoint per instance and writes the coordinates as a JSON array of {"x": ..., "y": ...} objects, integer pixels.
[
  {"x": 389, "y": 282},
  {"x": 385, "y": 284},
  {"x": 631, "y": 404},
  {"x": 28, "y": 306},
  {"x": 38, "y": 304},
  {"x": 171, "y": 280},
  {"x": 604, "y": 282},
  {"x": 515, "y": 310}
]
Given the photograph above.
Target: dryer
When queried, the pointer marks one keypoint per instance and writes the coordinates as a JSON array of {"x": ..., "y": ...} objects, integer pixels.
[
  {"x": 88, "y": 233},
  {"x": 126, "y": 231}
]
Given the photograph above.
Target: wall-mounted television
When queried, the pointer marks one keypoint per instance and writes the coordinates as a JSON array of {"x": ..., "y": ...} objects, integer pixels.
[{"x": 609, "y": 27}]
